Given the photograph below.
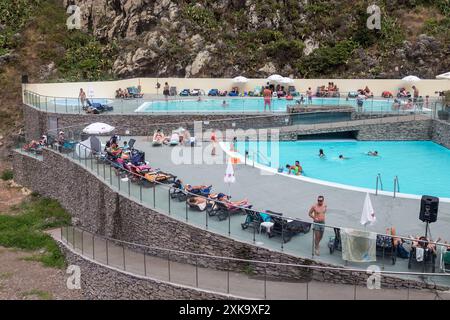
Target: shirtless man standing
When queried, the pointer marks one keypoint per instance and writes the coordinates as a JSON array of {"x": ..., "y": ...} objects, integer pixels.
[
  {"x": 267, "y": 93},
  {"x": 317, "y": 213}
]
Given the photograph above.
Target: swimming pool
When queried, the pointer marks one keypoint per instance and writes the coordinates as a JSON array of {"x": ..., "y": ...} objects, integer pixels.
[
  {"x": 422, "y": 167},
  {"x": 237, "y": 105}
]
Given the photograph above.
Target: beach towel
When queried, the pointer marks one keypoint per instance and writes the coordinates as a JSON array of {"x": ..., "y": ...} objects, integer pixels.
[
  {"x": 358, "y": 246},
  {"x": 202, "y": 206}
]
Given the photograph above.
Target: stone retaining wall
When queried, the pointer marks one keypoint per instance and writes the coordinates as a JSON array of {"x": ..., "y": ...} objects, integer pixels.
[
  {"x": 440, "y": 133},
  {"x": 96, "y": 207},
  {"x": 407, "y": 130}
]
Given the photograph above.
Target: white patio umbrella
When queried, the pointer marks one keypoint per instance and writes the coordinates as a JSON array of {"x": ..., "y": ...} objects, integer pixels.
[
  {"x": 180, "y": 130},
  {"x": 411, "y": 79},
  {"x": 444, "y": 76},
  {"x": 98, "y": 128},
  {"x": 240, "y": 80},
  {"x": 368, "y": 214},
  {"x": 275, "y": 78},
  {"x": 229, "y": 176}
]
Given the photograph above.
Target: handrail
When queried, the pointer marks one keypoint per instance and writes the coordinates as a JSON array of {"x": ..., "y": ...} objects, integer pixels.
[
  {"x": 260, "y": 154},
  {"x": 379, "y": 181},
  {"x": 396, "y": 185}
]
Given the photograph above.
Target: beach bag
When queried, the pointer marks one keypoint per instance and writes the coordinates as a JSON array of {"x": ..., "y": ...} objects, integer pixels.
[{"x": 402, "y": 252}]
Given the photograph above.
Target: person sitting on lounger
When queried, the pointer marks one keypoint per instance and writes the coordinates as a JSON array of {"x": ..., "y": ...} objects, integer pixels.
[
  {"x": 424, "y": 243},
  {"x": 158, "y": 136}
]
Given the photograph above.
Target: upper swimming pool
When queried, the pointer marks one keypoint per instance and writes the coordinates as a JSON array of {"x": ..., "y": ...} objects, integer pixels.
[
  {"x": 238, "y": 105},
  {"x": 422, "y": 167}
]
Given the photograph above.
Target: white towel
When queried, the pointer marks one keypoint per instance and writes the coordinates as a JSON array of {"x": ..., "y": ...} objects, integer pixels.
[
  {"x": 419, "y": 254},
  {"x": 202, "y": 206}
]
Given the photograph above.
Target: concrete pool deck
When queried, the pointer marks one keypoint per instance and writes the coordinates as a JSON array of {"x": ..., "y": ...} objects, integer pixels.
[{"x": 294, "y": 197}]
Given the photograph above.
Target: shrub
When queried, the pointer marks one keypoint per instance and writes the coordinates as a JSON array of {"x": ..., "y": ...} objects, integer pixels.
[
  {"x": 285, "y": 50},
  {"x": 7, "y": 175},
  {"x": 202, "y": 17},
  {"x": 324, "y": 59}
]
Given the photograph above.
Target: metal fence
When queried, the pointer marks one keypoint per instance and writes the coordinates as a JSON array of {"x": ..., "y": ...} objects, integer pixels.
[
  {"x": 256, "y": 279},
  {"x": 232, "y": 105}
]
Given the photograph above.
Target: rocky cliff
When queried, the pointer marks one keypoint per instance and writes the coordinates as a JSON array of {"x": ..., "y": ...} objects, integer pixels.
[{"x": 314, "y": 38}]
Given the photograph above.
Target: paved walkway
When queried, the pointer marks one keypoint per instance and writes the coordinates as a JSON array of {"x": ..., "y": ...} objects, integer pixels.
[{"x": 227, "y": 283}]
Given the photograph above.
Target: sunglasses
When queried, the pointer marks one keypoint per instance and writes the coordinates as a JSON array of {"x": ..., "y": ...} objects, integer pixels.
[{"x": 320, "y": 200}]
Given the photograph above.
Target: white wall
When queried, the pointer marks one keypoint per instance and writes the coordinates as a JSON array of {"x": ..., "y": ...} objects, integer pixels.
[{"x": 106, "y": 89}]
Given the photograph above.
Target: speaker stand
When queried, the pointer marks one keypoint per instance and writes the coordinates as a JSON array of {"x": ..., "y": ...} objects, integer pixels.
[{"x": 426, "y": 237}]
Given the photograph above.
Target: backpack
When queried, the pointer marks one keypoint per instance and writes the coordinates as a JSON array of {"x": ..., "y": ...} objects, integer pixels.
[{"x": 402, "y": 252}]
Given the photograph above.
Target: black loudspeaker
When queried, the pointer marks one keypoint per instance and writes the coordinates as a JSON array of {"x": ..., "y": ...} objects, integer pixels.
[
  {"x": 429, "y": 209},
  {"x": 24, "y": 78}
]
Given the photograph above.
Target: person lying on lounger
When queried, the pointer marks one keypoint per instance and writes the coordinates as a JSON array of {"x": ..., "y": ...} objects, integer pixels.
[
  {"x": 190, "y": 188},
  {"x": 224, "y": 198}
]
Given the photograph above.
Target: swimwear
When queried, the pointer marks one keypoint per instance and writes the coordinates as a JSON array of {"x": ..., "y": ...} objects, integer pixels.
[{"x": 319, "y": 226}]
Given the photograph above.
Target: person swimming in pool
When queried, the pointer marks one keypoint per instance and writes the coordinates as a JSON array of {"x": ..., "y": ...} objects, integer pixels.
[
  {"x": 295, "y": 169},
  {"x": 224, "y": 103},
  {"x": 321, "y": 153},
  {"x": 373, "y": 154},
  {"x": 341, "y": 157}
]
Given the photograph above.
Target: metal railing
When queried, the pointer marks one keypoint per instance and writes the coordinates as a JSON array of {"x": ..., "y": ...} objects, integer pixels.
[
  {"x": 396, "y": 186},
  {"x": 178, "y": 105},
  {"x": 250, "y": 279},
  {"x": 380, "y": 183}
]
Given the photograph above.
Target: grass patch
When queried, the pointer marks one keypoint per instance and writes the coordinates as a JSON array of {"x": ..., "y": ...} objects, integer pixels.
[
  {"x": 26, "y": 230},
  {"x": 42, "y": 295},
  {"x": 6, "y": 175},
  {"x": 5, "y": 275}
]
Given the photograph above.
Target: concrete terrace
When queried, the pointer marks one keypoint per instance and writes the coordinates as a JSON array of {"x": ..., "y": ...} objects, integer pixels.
[{"x": 278, "y": 193}]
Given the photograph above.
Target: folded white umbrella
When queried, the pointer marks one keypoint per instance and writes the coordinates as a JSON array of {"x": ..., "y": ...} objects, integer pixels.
[
  {"x": 98, "y": 128},
  {"x": 275, "y": 78},
  {"x": 368, "y": 214},
  {"x": 229, "y": 174},
  {"x": 444, "y": 76},
  {"x": 411, "y": 79},
  {"x": 240, "y": 79}
]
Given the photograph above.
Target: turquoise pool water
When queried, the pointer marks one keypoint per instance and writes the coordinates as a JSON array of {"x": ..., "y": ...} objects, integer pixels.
[
  {"x": 422, "y": 167},
  {"x": 73, "y": 102},
  {"x": 236, "y": 105}
]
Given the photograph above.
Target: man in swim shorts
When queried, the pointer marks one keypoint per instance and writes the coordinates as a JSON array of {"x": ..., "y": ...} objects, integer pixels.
[{"x": 317, "y": 213}]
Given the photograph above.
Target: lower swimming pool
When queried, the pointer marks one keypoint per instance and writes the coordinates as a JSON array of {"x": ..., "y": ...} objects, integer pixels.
[
  {"x": 422, "y": 167},
  {"x": 237, "y": 105}
]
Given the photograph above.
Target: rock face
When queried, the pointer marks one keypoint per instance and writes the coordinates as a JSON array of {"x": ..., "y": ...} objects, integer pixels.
[{"x": 230, "y": 37}]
